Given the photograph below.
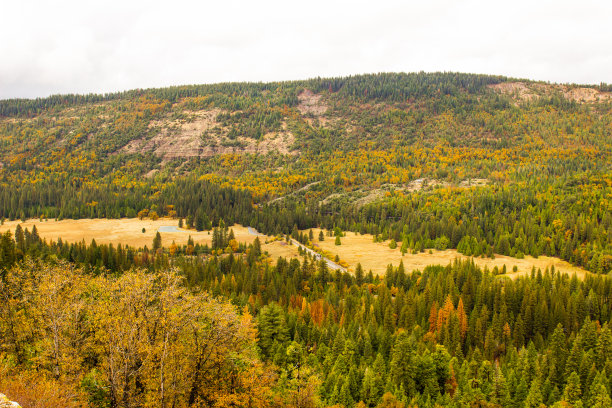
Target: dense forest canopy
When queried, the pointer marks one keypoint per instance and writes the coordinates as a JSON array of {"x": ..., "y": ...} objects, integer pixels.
[{"x": 305, "y": 336}]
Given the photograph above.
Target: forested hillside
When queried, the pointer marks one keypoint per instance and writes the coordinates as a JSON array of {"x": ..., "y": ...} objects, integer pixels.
[
  {"x": 513, "y": 167},
  {"x": 482, "y": 164}
]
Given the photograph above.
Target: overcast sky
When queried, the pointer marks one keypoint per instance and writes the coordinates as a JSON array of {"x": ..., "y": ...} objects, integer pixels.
[{"x": 49, "y": 47}]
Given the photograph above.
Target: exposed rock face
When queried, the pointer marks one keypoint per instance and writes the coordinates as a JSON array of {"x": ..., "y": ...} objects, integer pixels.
[
  {"x": 185, "y": 139},
  {"x": 6, "y": 403},
  {"x": 521, "y": 91},
  {"x": 176, "y": 138},
  {"x": 309, "y": 102}
]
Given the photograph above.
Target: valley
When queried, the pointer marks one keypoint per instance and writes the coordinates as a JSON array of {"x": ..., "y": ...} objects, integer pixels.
[
  {"x": 355, "y": 248},
  {"x": 405, "y": 240}
]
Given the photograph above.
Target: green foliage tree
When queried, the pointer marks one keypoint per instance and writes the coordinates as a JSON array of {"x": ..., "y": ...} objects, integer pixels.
[{"x": 157, "y": 241}]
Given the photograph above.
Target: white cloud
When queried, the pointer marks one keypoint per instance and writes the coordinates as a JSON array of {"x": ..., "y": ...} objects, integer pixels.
[{"x": 82, "y": 46}]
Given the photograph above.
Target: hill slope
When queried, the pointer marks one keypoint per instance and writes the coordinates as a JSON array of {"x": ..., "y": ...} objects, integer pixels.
[{"x": 481, "y": 163}]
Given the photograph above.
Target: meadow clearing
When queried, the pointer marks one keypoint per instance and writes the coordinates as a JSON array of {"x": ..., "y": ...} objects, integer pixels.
[
  {"x": 129, "y": 231},
  {"x": 355, "y": 248}
]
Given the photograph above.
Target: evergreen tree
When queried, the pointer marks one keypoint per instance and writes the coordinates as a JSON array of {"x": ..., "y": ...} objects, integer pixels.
[
  {"x": 359, "y": 276},
  {"x": 157, "y": 242},
  {"x": 572, "y": 393},
  {"x": 372, "y": 387},
  {"x": 272, "y": 329},
  {"x": 521, "y": 392},
  {"x": 534, "y": 397},
  {"x": 600, "y": 398},
  {"x": 403, "y": 368},
  {"x": 199, "y": 221}
]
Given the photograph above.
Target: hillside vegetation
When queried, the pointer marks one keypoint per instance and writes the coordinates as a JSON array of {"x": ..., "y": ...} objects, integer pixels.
[
  {"x": 422, "y": 164},
  {"x": 389, "y": 154}
]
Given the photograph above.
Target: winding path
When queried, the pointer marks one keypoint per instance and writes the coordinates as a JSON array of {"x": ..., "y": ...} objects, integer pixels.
[{"x": 330, "y": 264}]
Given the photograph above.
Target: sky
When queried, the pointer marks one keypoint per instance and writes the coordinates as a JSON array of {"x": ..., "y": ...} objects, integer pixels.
[{"x": 67, "y": 46}]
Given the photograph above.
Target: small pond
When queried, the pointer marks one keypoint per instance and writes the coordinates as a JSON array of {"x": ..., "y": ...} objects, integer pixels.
[{"x": 168, "y": 228}]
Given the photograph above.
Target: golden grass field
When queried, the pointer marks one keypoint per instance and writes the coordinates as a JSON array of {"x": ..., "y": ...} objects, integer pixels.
[
  {"x": 128, "y": 231},
  {"x": 355, "y": 248}
]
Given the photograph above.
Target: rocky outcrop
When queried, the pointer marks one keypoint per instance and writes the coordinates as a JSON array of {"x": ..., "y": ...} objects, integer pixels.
[
  {"x": 527, "y": 91},
  {"x": 6, "y": 403},
  {"x": 311, "y": 103},
  {"x": 203, "y": 136}
]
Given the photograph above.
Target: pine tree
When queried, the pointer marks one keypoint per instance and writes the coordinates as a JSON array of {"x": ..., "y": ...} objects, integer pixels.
[
  {"x": 519, "y": 332},
  {"x": 199, "y": 221},
  {"x": 189, "y": 221},
  {"x": 34, "y": 235},
  {"x": 345, "y": 398},
  {"x": 339, "y": 343},
  {"x": 575, "y": 357},
  {"x": 427, "y": 378},
  {"x": 463, "y": 321},
  {"x": 256, "y": 249},
  {"x": 558, "y": 348},
  {"x": 157, "y": 241},
  {"x": 604, "y": 347},
  {"x": 403, "y": 366},
  {"x": 359, "y": 275},
  {"x": 521, "y": 392},
  {"x": 20, "y": 240},
  {"x": 405, "y": 245},
  {"x": 572, "y": 392},
  {"x": 272, "y": 328},
  {"x": 554, "y": 396},
  {"x": 600, "y": 398},
  {"x": 372, "y": 387},
  {"x": 534, "y": 397},
  {"x": 500, "y": 392}
]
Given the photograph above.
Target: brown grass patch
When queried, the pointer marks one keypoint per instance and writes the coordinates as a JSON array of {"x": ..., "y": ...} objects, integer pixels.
[
  {"x": 128, "y": 231},
  {"x": 355, "y": 248},
  {"x": 125, "y": 231},
  {"x": 358, "y": 248},
  {"x": 280, "y": 249}
]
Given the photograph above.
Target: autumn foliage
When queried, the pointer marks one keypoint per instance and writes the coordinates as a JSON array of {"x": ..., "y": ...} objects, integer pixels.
[{"x": 141, "y": 339}]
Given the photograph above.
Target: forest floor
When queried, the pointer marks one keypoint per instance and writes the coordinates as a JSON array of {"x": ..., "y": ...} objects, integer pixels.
[{"x": 355, "y": 248}]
